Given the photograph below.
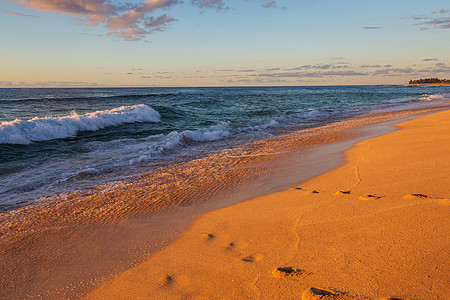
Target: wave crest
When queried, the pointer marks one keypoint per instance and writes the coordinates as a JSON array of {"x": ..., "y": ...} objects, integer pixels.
[
  {"x": 49, "y": 128},
  {"x": 177, "y": 139}
]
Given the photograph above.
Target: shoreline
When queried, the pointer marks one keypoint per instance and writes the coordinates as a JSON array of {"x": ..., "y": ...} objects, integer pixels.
[
  {"x": 77, "y": 236},
  {"x": 428, "y": 84},
  {"x": 373, "y": 227}
]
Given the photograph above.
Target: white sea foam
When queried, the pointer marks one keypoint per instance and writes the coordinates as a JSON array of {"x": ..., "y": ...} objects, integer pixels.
[
  {"x": 179, "y": 139},
  {"x": 426, "y": 97},
  {"x": 271, "y": 123},
  {"x": 436, "y": 97},
  {"x": 212, "y": 133},
  {"x": 49, "y": 128}
]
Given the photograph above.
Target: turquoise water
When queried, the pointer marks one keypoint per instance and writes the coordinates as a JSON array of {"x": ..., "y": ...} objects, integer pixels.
[{"x": 56, "y": 140}]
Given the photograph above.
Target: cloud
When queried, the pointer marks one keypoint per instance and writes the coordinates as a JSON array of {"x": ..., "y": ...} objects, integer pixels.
[
  {"x": 370, "y": 66},
  {"x": 398, "y": 71},
  {"x": 270, "y": 4},
  {"x": 75, "y": 7},
  {"x": 236, "y": 70},
  {"x": 371, "y": 27},
  {"x": 320, "y": 67},
  {"x": 442, "y": 11},
  {"x": 6, "y": 83},
  {"x": 442, "y": 68},
  {"x": 47, "y": 84},
  {"x": 311, "y": 74},
  {"x": 430, "y": 59},
  {"x": 375, "y": 66},
  {"x": 130, "y": 21},
  {"x": 217, "y": 4},
  {"x": 16, "y": 13},
  {"x": 255, "y": 80},
  {"x": 441, "y": 22},
  {"x": 134, "y": 23}
]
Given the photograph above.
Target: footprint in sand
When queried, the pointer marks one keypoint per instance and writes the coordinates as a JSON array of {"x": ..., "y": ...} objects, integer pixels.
[
  {"x": 441, "y": 201},
  {"x": 230, "y": 246},
  {"x": 208, "y": 237},
  {"x": 338, "y": 193},
  {"x": 171, "y": 281},
  {"x": 370, "y": 197},
  {"x": 288, "y": 272},
  {"x": 316, "y": 293},
  {"x": 253, "y": 258},
  {"x": 415, "y": 196},
  {"x": 307, "y": 191}
]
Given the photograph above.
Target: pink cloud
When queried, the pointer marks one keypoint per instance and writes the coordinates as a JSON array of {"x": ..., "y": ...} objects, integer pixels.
[
  {"x": 75, "y": 7},
  {"x": 16, "y": 13},
  {"x": 441, "y": 22},
  {"x": 128, "y": 21},
  {"x": 132, "y": 18},
  {"x": 270, "y": 4}
]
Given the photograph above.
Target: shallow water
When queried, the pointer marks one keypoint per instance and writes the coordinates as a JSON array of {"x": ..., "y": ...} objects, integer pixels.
[{"x": 56, "y": 141}]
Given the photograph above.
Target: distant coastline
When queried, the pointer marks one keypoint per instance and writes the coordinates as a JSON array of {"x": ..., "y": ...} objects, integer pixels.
[
  {"x": 435, "y": 84},
  {"x": 430, "y": 81}
]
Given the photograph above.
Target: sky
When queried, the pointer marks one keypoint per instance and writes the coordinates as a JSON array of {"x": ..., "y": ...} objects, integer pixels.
[{"x": 89, "y": 43}]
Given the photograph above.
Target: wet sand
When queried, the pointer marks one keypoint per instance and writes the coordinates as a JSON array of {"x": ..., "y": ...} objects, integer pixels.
[
  {"x": 376, "y": 227},
  {"x": 65, "y": 246}
]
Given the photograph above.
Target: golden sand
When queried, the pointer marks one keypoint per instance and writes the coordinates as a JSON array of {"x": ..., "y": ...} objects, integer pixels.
[
  {"x": 64, "y": 246},
  {"x": 376, "y": 227}
]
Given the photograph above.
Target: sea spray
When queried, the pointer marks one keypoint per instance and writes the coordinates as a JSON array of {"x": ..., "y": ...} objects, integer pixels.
[{"x": 49, "y": 128}]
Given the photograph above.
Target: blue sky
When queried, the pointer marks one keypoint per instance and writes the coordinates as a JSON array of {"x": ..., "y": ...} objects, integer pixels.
[{"x": 222, "y": 43}]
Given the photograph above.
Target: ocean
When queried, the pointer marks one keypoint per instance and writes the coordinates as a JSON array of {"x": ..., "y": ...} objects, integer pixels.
[{"x": 59, "y": 140}]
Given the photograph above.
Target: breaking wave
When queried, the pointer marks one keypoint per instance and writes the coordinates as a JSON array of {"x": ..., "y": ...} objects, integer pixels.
[
  {"x": 179, "y": 139},
  {"x": 49, "y": 128},
  {"x": 434, "y": 97}
]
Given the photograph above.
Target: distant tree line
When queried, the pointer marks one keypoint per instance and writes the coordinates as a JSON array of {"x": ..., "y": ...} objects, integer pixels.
[{"x": 429, "y": 80}]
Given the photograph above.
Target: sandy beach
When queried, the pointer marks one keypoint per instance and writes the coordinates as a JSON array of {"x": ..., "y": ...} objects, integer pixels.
[
  {"x": 379, "y": 221},
  {"x": 376, "y": 227},
  {"x": 218, "y": 149}
]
